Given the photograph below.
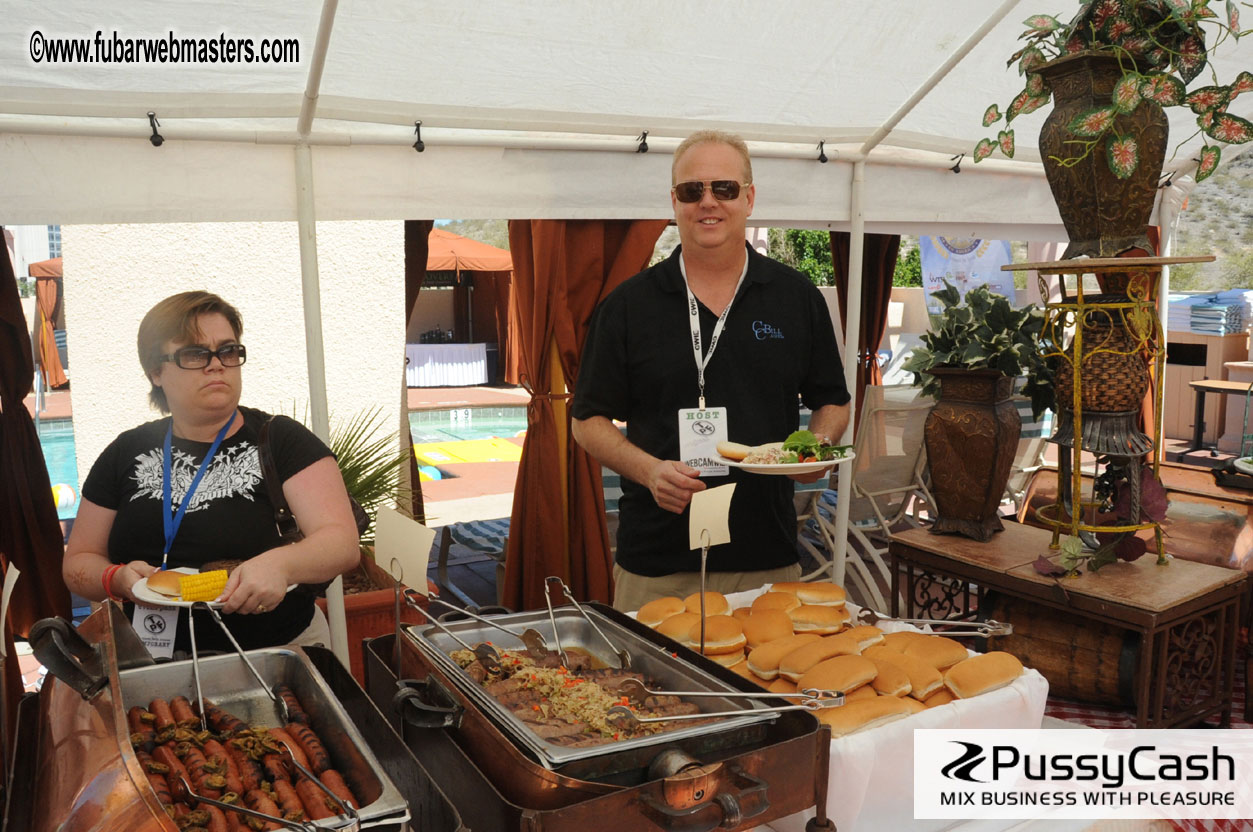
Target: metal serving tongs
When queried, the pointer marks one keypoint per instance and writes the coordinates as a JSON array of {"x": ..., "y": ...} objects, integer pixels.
[
  {"x": 961, "y": 629},
  {"x": 634, "y": 690},
  {"x": 624, "y": 658},
  {"x": 536, "y": 647},
  {"x": 352, "y": 824},
  {"x": 810, "y": 704},
  {"x": 484, "y": 652},
  {"x": 280, "y": 705}
]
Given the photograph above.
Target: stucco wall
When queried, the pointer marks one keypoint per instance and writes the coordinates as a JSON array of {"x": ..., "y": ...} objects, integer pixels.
[{"x": 115, "y": 273}]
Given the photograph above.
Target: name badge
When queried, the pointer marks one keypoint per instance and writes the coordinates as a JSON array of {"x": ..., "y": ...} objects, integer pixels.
[
  {"x": 700, "y": 431},
  {"x": 156, "y": 627}
]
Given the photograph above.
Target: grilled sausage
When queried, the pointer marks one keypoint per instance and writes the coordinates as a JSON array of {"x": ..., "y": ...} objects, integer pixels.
[
  {"x": 275, "y": 767},
  {"x": 285, "y": 739},
  {"x": 151, "y": 766},
  {"x": 161, "y": 786},
  {"x": 165, "y": 755},
  {"x": 294, "y": 709},
  {"x": 217, "y": 820},
  {"x": 144, "y": 739},
  {"x": 161, "y": 714},
  {"x": 333, "y": 781},
  {"x": 206, "y": 783},
  {"x": 226, "y": 765},
  {"x": 288, "y": 800},
  {"x": 261, "y": 802},
  {"x": 319, "y": 760},
  {"x": 313, "y": 799},
  {"x": 181, "y": 710},
  {"x": 250, "y": 774},
  {"x": 222, "y": 722}
]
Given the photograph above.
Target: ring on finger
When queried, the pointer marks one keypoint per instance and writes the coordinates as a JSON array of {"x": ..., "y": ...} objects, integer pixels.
[{"x": 261, "y": 608}]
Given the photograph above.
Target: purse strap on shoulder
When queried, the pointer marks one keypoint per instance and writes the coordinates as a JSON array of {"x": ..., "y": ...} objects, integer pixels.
[{"x": 283, "y": 517}]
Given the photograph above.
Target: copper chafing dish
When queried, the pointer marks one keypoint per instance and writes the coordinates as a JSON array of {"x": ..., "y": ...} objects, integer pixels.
[
  {"x": 75, "y": 750},
  {"x": 732, "y": 774}
]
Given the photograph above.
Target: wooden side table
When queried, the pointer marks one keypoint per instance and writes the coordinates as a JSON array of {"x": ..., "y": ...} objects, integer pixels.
[{"x": 1187, "y": 615}]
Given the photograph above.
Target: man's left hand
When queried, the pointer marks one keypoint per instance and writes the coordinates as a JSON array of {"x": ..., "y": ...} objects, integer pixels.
[{"x": 812, "y": 476}]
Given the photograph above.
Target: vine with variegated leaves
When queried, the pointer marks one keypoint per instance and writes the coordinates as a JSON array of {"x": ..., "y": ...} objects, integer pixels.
[{"x": 1161, "y": 48}]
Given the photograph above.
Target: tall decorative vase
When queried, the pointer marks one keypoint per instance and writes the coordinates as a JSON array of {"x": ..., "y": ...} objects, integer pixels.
[
  {"x": 1104, "y": 215},
  {"x": 971, "y": 436}
]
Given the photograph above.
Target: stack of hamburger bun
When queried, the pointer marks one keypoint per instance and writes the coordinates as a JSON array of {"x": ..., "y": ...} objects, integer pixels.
[{"x": 796, "y": 636}]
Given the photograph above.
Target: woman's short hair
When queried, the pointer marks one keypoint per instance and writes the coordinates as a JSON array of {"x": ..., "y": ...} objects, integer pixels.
[
  {"x": 176, "y": 319},
  {"x": 713, "y": 137}
]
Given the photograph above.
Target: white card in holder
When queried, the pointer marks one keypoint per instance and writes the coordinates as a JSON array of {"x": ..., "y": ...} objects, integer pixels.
[
  {"x": 156, "y": 627},
  {"x": 700, "y": 431}
]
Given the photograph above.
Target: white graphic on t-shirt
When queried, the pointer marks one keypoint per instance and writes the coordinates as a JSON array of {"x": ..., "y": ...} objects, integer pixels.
[{"x": 233, "y": 472}]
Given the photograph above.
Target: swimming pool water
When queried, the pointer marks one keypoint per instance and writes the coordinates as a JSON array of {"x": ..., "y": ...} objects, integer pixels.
[
  {"x": 458, "y": 424},
  {"x": 56, "y": 437}
]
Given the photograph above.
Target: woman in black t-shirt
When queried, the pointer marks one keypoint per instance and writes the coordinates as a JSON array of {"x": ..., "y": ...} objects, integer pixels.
[{"x": 189, "y": 349}]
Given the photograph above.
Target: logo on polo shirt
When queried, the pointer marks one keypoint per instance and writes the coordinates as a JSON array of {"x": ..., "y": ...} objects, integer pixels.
[{"x": 764, "y": 330}]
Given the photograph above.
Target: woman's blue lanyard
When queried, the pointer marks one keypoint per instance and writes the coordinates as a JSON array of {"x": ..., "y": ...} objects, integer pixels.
[{"x": 171, "y": 519}]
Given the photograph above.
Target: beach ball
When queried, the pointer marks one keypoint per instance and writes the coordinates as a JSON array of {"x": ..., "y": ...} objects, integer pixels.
[
  {"x": 427, "y": 473},
  {"x": 63, "y": 495}
]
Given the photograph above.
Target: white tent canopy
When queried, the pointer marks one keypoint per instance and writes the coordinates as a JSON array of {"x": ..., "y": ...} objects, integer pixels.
[{"x": 530, "y": 110}]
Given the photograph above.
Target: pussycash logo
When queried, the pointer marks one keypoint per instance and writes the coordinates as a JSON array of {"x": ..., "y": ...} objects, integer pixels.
[{"x": 1113, "y": 769}]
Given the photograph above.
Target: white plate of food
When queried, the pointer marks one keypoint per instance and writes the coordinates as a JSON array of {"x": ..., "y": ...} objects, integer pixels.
[
  {"x": 146, "y": 595},
  {"x": 764, "y": 459},
  {"x": 1244, "y": 465}
]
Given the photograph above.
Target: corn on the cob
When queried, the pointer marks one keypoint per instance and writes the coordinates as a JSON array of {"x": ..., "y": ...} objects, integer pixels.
[{"x": 206, "y": 586}]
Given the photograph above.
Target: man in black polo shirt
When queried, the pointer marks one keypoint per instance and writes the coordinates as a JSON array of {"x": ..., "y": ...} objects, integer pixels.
[{"x": 758, "y": 336}]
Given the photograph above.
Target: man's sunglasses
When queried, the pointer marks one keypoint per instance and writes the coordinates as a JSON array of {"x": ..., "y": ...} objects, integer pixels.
[
  {"x": 197, "y": 358},
  {"x": 723, "y": 190}
]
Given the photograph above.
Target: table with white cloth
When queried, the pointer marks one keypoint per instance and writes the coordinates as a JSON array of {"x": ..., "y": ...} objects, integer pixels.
[
  {"x": 871, "y": 777},
  {"x": 445, "y": 365}
]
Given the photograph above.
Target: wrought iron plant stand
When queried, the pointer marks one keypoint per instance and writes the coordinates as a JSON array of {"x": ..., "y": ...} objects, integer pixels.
[{"x": 1102, "y": 376}]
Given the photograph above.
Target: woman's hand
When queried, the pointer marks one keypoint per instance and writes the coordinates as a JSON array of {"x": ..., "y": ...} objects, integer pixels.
[
  {"x": 124, "y": 579},
  {"x": 256, "y": 585}
]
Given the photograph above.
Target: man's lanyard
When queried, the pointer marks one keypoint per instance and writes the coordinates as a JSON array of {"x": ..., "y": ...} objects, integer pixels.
[
  {"x": 693, "y": 319},
  {"x": 171, "y": 519}
]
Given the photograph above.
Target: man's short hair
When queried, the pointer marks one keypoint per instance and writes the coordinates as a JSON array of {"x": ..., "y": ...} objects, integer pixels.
[
  {"x": 713, "y": 137},
  {"x": 177, "y": 319}
]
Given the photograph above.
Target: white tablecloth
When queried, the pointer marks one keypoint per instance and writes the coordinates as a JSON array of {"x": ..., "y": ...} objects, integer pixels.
[
  {"x": 445, "y": 365},
  {"x": 871, "y": 779}
]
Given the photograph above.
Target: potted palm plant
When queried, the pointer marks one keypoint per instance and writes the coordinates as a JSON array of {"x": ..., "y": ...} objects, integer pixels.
[
  {"x": 1110, "y": 70},
  {"x": 969, "y": 362},
  {"x": 370, "y": 462}
]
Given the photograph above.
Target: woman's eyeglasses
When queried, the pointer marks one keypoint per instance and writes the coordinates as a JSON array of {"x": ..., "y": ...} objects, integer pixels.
[
  {"x": 723, "y": 190},
  {"x": 197, "y": 358}
]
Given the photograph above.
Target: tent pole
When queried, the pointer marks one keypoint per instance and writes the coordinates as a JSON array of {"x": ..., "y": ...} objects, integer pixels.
[
  {"x": 313, "y": 83},
  {"x": 315, "y": 356},
  {"x": 851, "y": 355}
]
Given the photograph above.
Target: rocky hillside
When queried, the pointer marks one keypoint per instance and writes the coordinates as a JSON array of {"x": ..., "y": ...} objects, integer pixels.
[{"x": 1218, "y": 220}]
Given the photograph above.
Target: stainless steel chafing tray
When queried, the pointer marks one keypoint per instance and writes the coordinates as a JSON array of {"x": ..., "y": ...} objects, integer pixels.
[
  {"x": 656, "y": 663},
  {"x": 226, "y": 680}
]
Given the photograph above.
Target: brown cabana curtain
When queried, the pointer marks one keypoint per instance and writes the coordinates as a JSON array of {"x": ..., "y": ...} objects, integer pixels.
[
  {"x": 48, "y": 303},
  {"x": 417, "y": 248},
  {"x": 30, "y": 534},
  {"x": 562, "y": 269},
  {"x": 490, "y": 306},
  {"x": 878, "y": 265}
]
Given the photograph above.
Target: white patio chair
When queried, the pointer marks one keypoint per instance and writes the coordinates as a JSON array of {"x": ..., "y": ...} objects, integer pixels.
[{"x": 888, "y": 478}]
